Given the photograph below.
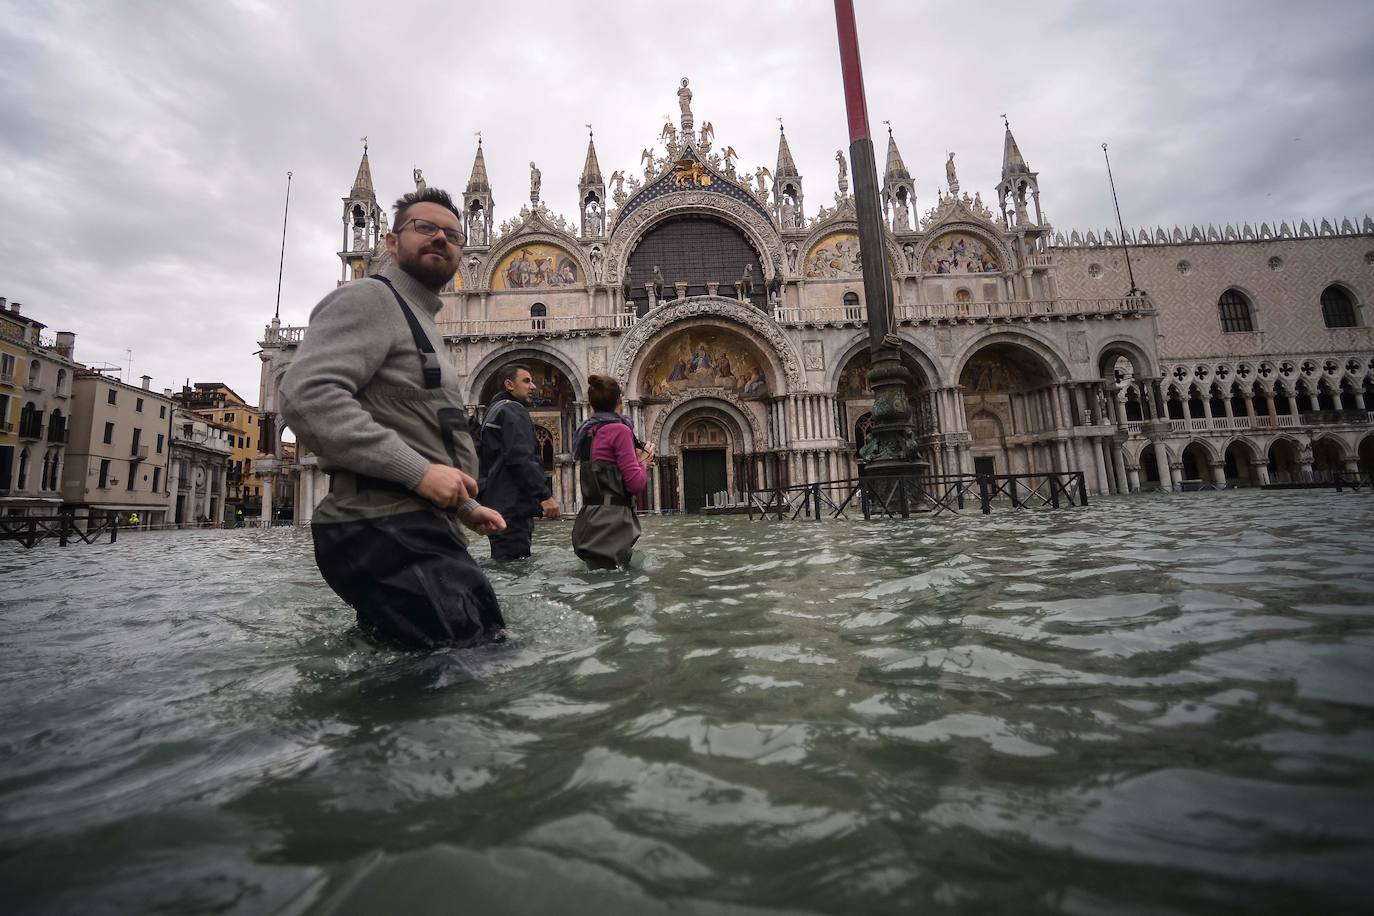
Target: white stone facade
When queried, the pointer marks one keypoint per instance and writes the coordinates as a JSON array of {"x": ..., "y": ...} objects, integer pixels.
[{"x": 735, "y": 323}]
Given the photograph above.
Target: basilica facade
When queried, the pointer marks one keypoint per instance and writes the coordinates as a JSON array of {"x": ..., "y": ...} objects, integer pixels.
[{"x": 733, "y": 314}]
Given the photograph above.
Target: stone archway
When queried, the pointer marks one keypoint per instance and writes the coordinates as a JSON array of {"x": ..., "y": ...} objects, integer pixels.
[
  {"x": 1239, "y": 461},
  {"x": 1011, "y": 410},
  {"x": 784, "y": 374},
  {"x": 1283, "y": 458}
]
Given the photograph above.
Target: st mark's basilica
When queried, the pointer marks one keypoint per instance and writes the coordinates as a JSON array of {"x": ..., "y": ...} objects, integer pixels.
[{"x": 732, "y": 312}]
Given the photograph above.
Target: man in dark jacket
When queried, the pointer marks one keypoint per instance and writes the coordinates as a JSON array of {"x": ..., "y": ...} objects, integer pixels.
[{"x": 512, "y": 478}]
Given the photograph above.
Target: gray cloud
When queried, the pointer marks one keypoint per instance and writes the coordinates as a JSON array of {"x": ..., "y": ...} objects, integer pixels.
[{"x": 144, "y": 147}]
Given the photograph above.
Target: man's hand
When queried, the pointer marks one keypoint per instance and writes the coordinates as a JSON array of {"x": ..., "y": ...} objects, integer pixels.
[
  {"x": 485, "y": 521},
  {"x": 550, "y": 507},
  {"x": 447, "y": 487},
  {"x": 646, "y": 457}
]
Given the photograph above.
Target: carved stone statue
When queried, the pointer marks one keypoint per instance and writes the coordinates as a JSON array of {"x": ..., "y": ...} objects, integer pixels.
[
  {"x": 596, "y": 259},
  {"x": 761, "y": 174},
  {"x": 625, "y": 287},
  {"x": 950, "y": 176},
  {"x": 658, "y": 282},
  {"x": 684, "y": 99},
  {"x": 910, "y": 251},
  {"x": 618, "y": 187},
  {"x": 844, "y": 169},
  {"x": 792, "y": 251},
  {"x": 419, "y": 181},
  {"x": 477, "y": 229},
  {"x": 536, "y": 179},
  {"x": 746, "y": 283},
  {"x": 730, "y": 156}
]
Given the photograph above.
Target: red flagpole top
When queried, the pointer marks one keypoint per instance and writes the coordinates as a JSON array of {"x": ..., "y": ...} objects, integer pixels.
[{"x": 852, "y": 69}]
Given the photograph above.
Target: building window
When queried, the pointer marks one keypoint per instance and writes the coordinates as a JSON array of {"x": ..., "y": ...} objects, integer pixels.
[
  {"x": 157, "y": 478},
  {"x": 539, "y": 316},
  {"x": 23, "y": 482},
  {"x": 104, "y": 473},
  {"x": 6, "y": 367},
  {"x": 133, "y": 475},
  {"x": 35, "y": 374},
  {"x": 133, "y": 448},
  {"x": 250, "y": 442},
  {"x": 229, "y": 418},
  {"x": 112, "y": 397},
  {"x": 1234, "y": 309},
  {"x": 159, "y": 446},
  {"x": 1338, "y": 309},
  {"x": 61, "y": 381},
  {"x": 187, "y": 430},
  {"x": 162, "y": 412},
  {"x": 109, "y": 434},
  {"x": 138, "y": 405}
]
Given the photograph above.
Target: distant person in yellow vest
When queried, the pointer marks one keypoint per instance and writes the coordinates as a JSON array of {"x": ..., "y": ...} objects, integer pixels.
[{"x": 133, "y": 518}]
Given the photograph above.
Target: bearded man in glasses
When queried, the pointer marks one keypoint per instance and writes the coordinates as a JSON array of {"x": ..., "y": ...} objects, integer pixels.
[{"x": 373, "y": 396}]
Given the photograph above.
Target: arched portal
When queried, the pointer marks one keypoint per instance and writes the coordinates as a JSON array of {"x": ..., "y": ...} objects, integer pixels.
[
  {"x": 710, "y": 453},
  {"x": 1366, "y": 458},
  {"x": 854, "y": 399},
  {"x": 1283, "y": 462},
  {"x": 1009, "y": 409},
  {"x": 1328, "y": 458},
  {"x": 1239, "y": 460},
  {"x": 1196, "y": 464},
  {"x": 700, "y": 251}
]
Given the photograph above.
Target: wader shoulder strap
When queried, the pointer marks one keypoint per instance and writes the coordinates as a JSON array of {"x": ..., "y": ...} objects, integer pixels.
[
  {"x": 430, "y": 362},
  {"x": 488, "y": 422}
]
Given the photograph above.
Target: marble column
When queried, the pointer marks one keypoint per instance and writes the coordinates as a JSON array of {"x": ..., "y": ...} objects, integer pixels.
[
  {"x": 1261, "y": 472},
  {"x": 1219, "y": 474},
  {"x": 173, "y": 490},
  {"x": 1124, "y": 484},
  {"x": 1162, "y": 465},
  {"x": 1133, "y": 478}
]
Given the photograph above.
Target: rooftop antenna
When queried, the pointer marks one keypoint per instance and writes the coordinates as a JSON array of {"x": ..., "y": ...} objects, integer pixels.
[
  {"x": 1120, "y": 228},
  {"x": 281, "y": 264},
  {"x": 130, "y": 354}
]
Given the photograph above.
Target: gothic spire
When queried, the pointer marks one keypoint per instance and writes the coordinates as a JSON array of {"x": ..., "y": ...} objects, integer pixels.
[
  {"x": 786, "y": 167},
  {"x": 478, "y": 182},
  {"x": 362, "y": 185},
  {"x": 1013, "y": 163},
  {"x": 896, "y": 168},
  {"x": 591, "y": 169}
]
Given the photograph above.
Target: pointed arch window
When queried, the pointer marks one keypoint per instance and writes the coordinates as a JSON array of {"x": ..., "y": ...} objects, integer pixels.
[
  {"x": 539, "y": 314},
  {"x": 1235, "y": 312},
  {"x": 1338, "y": 309}
]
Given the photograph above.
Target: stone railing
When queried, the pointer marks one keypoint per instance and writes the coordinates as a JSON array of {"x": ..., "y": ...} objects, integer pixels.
[
  {"x": 1280, "y": 421},
  {"x": 1025, "y": 309},
  {"x": 538, "y": 327},
  {"x": 282, "y": 336}
]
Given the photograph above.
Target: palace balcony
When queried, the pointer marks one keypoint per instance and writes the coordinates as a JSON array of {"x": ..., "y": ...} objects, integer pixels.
[
  {"x": 282, "y": 336},
  {"x": 955, "y": 312},
  {"x": 138, "y": 453},
  {"x": 552, "y": 326},
  {"x": 1281, "y": 421}
]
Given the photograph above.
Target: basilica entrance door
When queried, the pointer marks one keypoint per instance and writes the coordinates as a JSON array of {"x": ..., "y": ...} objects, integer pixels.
[{"x": 703, "y": 473}]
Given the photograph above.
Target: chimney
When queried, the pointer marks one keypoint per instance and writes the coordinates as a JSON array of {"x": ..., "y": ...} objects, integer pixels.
[
  {"x": 14, "y": 307},
  {"x": 4, "y": 303},
  {"x": 166, "y": 392},
  {"x": 147, "y": 380},
  {"x": 66, "y": 343}
]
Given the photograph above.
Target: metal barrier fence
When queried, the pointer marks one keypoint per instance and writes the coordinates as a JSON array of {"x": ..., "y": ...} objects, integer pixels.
[
  {"x": 32, "y": 530},
  {"x": 902, "y": 497}
]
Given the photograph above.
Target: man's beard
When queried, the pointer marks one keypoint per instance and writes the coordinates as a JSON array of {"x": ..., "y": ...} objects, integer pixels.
[{"x": 432, "y": 276}]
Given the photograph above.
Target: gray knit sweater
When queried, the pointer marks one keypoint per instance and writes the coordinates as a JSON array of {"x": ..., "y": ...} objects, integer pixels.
[{"x": 358, "y": 337}]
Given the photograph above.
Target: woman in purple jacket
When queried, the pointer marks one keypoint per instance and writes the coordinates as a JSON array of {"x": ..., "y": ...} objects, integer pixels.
[{"x": 612, "y": 474}]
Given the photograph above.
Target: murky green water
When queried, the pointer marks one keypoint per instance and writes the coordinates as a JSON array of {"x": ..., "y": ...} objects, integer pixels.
[{"x": 1155, "y": 705}]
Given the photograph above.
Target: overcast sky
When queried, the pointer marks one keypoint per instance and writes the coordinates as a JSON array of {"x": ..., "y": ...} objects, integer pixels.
[{"x": 144, "y": 145}]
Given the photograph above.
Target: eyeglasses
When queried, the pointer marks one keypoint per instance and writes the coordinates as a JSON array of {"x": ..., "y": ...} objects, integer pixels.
[{"x": 429, "y": 230}]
